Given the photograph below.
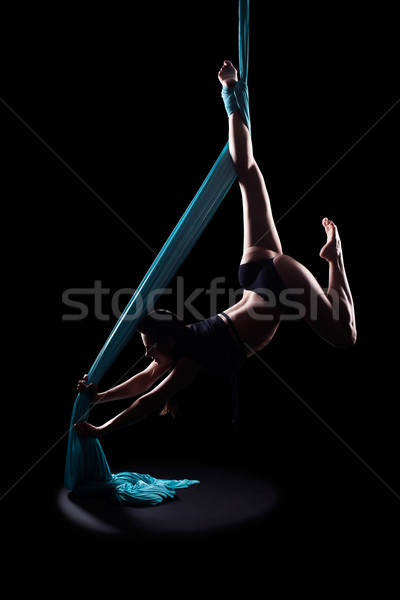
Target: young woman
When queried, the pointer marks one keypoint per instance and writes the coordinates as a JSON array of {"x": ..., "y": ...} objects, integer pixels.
[{"x": 272, "y": 282}]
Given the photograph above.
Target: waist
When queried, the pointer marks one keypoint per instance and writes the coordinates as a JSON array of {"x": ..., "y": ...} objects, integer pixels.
[
  {"x": 214, "y": 346},
  {"x": 233, "y": 332}
]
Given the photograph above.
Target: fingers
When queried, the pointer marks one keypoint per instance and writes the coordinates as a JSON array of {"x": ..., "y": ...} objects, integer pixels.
[
  {"x": 327, "y": 223},
  {"x": 82, "y": 384},
  {"x": 81, "y": 387},
  {"x": 227, "y": 66},
  {"x": 80, "y": 428}
]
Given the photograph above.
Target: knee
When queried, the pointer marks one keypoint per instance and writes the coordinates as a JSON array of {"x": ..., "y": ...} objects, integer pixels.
[
  {"x": 352, "y": 336},
  {"x": 347, "y": 341}
]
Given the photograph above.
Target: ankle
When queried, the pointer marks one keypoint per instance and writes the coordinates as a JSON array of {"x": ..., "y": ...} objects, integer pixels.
[
  {"x": 229, "y": 83},
  {"x": 236, "y": 98}
]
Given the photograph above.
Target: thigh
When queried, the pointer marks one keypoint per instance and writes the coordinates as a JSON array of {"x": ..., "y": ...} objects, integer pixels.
[
  {"x": 258, "y": 223},
  {"x": 313, "y": 304}
]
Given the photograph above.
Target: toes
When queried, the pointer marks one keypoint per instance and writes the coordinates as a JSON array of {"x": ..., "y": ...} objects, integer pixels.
[
  {"x": 227, "y": 65},
  {"x": 327, "y": 223}
]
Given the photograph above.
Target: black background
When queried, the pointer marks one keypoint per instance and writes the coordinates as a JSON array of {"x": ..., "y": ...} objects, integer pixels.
[{"x": 131, "y": 103}]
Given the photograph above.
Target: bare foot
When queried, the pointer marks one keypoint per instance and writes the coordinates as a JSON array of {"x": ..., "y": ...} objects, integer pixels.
[
  {"x": 333, "y": 247},
  {"x": 228, "y": 74}
]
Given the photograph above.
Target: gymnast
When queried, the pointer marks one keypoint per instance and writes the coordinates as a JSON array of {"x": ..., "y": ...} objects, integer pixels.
[{"x": 271, "y": 282}]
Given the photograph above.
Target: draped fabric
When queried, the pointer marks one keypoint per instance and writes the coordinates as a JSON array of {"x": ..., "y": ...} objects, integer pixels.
[{"x": 86, "y": 470}]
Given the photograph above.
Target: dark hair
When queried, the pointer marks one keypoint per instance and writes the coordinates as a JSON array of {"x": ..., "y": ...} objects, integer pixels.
[{"x": 162, "y": 325}]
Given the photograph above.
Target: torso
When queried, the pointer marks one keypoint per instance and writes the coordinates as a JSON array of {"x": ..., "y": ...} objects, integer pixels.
[{"x": 255, "y": 320}]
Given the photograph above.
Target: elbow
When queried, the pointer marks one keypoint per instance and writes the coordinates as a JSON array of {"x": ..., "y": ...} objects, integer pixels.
[{"x": 149, "y": 403}]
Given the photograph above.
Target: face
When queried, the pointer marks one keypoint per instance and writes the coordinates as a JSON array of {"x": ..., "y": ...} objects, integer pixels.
[{"x": 155, "y": 351}]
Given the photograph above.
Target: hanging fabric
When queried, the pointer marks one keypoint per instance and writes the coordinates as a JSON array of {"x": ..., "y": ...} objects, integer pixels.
[{"x": 86, "y": 470}]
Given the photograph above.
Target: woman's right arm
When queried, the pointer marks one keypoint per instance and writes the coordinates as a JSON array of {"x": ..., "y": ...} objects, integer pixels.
[{"x": 135, "y": 386}]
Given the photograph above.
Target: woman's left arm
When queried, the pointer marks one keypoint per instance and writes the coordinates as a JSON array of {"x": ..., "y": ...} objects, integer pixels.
[{"x": 180, "y": 377}]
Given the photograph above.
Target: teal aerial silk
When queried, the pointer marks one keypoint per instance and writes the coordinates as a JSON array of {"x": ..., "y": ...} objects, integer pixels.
[{"x": 86, "y": 470}]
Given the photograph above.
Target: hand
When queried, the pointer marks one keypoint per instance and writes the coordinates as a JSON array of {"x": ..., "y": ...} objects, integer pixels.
[
  {"x": 86, "y": 430},
  {"x": 91, "y": 389}
]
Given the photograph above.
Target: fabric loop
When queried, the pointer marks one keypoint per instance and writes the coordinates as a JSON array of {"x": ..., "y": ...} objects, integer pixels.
[{"x": 236, "y": 97}]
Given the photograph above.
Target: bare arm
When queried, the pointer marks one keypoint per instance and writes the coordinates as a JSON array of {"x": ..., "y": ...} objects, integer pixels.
[
  {"x": 136, "y": 385},
  {"x": 183, "y": 374}
]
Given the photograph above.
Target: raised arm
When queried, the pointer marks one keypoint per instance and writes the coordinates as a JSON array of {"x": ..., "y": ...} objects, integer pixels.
[{"x": 180, "y": 377}]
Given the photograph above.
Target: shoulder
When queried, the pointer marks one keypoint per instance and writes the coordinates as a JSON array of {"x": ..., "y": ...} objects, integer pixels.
[
  {"x": 179, "y": 378},
  {"x": 186, "y": 367},
  {"x": 183, "y": 373},
  {"x": 157, "y": 369},
  {"x": 154, "y": 371}
]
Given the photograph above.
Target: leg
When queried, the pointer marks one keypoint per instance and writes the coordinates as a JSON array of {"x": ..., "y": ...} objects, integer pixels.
[
  {"x": 331, "y": 315},
  {"x": 259, "y": 227},
  {"x": 258, "y": 223},
  {"x": 338, "y": 283}
]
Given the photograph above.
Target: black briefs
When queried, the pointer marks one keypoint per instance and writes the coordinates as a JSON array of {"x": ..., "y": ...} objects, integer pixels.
[{"x": 261, "y": 277}]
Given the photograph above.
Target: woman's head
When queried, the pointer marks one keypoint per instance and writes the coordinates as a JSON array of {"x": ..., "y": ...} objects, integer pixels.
[{"x": 163, "y": 334}]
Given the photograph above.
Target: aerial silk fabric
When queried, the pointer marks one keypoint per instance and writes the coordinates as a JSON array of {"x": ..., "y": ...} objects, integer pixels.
[
  {"x": 235, "y": 98},
  {"x": 86, "y": 470}
]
